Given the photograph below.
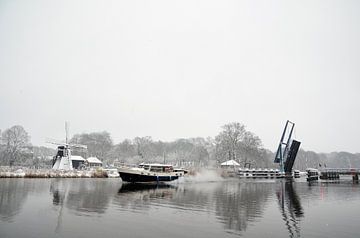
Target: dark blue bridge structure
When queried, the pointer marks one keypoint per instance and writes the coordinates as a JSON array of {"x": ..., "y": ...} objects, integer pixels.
[{"x": 287, "y": 150}]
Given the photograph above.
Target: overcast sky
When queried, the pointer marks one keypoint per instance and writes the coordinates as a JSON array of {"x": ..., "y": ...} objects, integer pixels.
[{"x": 179, "y": 69}]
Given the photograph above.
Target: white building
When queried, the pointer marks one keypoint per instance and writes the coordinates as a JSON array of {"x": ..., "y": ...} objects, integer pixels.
[
  {"x": 77, "y": 161},
  {"x": 94, "y": 162},
  {"x": 68, "y": 162},
  {"x": 230, "y": 164}
]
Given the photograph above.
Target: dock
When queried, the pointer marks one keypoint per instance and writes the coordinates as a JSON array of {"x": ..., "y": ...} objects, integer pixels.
[{"x": 334, "y": 173}]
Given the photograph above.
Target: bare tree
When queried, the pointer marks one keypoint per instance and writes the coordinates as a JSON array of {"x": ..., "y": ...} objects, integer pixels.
[
  {"x": 144, "y": 147},
  {"x": 228, "y": 141},
  {"x": 98, "y": 144},
  {"x": 235, "y": 142},
  {"x": 15, "y": 140},
  {"x": 123, "y": 150},
  {"x": 250, "y": 148}
]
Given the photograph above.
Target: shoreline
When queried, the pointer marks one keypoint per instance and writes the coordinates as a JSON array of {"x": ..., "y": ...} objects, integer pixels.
[{"x": 48, "y": 173}]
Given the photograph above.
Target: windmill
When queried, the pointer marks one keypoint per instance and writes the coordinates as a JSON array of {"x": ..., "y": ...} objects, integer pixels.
[{"x": 62, "y": 159}]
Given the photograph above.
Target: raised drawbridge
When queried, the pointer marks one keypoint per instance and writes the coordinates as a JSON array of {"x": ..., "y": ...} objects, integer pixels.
[{"x": 287, "y": 149}]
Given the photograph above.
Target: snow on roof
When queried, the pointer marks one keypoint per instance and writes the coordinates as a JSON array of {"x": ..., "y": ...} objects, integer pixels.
[
  {"x": 158, "y": 164},
  {"x": 231, "y": 163},
  {"x": 77, "y": 157},
  {"x": 93, "y": 160}
]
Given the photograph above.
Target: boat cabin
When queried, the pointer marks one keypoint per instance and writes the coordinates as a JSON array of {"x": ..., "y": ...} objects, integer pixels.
[{"x": 157, "y": 167}]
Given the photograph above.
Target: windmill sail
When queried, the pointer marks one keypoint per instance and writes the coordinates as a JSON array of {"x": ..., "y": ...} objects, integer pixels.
[{"x": 62, "y": 160}]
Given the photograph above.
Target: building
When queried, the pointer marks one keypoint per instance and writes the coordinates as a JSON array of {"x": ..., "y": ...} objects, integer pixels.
[
  {"x": 77, "y": 161},
  {"x": 94, "y": 162},
  {"x": 230, "y": 164}
]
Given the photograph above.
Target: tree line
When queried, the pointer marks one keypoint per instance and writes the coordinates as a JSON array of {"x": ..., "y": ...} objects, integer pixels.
[{"x": 232, "y": 142}]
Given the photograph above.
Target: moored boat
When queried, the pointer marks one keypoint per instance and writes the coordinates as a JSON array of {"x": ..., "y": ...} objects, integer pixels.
[
  {"x": 146, "y": 173},
  {"x": 296, "y": 173},
  {"x": 112, "y": 173},
  {"x": 312, "y": 174}
]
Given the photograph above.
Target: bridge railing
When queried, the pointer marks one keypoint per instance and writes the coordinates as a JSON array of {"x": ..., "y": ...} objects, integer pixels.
[{"x": 341, "y": 170}]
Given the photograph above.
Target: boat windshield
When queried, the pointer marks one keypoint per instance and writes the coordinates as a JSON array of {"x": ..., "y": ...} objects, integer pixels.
[{"x": 161, "y": 168}]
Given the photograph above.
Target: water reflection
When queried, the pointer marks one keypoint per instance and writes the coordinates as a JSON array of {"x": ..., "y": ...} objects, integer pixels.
[
  {"x": 140, "y": 197},
  {"x": 234, "y": 204},
  {"x": 62, "y": 207},
  {"x": 290, "y": 207},
  {"x": 81, "y": 195},
  {"x": 132, "y": 187},
  {"x": 13, "y": 194},
  {"x": 238, "y": 204}
]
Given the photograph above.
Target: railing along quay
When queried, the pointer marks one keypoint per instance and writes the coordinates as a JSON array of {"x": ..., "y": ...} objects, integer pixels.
[{"x": 334, "y": 173}]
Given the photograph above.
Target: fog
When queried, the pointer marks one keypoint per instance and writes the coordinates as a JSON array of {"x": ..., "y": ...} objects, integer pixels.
[{"x": 180, "y": 69}]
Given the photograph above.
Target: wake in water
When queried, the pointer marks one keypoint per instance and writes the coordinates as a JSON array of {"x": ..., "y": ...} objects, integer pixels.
[{"x": 203, "y": 175}]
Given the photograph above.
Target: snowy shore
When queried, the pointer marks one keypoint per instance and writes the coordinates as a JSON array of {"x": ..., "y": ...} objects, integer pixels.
[{"x": 49, "y": 173}]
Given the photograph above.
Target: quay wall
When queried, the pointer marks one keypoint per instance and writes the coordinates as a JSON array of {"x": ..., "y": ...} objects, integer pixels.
[{"x": 49, "y": 173}]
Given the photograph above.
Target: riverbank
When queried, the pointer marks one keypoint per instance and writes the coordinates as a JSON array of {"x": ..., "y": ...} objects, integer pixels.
[{"x": 49, "y": 173}]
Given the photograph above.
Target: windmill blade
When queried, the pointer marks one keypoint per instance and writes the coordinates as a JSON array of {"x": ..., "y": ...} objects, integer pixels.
[
  {"x": 67, "y": 131},
  {"x": 54, "y": 142},
  {"x": 78, "y": 146}
]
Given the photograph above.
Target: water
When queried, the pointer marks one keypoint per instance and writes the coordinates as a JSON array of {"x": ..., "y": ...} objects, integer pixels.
[{"x": 224, "y": 208}]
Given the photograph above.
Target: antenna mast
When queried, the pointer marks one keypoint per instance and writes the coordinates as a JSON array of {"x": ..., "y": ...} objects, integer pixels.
[{"x": 66, "y": 132}]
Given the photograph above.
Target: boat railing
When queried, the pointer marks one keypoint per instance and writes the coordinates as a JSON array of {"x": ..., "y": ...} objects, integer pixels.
[{"x": 125, "y": 165}]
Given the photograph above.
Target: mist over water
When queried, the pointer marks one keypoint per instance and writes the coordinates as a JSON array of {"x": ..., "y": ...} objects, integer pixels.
[
  {"x": 201, "y": 176},
  {"x": 194, "y": 207}
]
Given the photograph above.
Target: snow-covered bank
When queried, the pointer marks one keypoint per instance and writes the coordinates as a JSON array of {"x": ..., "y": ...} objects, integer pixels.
[{"x": 49, "y": 173}]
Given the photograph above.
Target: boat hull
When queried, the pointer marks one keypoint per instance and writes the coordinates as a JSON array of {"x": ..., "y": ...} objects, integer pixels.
[{"x": 142, "y": 178}]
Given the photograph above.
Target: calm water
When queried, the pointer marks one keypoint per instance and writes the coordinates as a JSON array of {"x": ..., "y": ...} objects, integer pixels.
[{"x": 231, "y": 208}]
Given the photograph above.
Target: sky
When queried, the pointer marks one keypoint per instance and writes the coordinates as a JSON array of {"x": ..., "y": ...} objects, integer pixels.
[{"x": 179, "y": 69}]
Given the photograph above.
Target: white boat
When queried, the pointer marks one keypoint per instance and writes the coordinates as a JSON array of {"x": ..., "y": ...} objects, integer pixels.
[
  {"x": 296, "y": 173},
  {"x": 150, "y": 173},
  {"x": 112, "y": 173},
  {"x": 312, "y": 174}
]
